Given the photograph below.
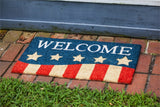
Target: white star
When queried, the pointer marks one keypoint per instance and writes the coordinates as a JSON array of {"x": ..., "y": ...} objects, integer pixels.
[
  {"x": 124, "y": 61},
  {"x": 78, "y": 58},
  {"x": 34, "y": 56},
  {"x": 56, "y": 57},
  {"x": 99, "y": 59}
]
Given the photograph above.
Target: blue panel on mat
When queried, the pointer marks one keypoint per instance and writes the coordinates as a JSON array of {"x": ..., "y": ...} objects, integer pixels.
[{"x": 87, "y": 52}]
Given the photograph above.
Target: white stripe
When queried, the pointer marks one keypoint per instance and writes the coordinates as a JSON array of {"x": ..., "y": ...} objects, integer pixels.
[
  {"x": 58, "y": 70},
  {"x": 131, "y": 2},
  {"x": 31, "y": 69},
  {"x": 113, "y": 73},
  {"x": 85, "y": 71},
  {"x": 82, "y": 24}
]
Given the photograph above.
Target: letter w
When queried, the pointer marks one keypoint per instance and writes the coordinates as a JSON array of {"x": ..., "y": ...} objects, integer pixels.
[{"x": 45, "y": 44}]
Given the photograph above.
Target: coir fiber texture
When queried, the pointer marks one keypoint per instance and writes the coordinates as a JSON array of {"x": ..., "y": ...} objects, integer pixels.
[{"x": 78, "y": 59}]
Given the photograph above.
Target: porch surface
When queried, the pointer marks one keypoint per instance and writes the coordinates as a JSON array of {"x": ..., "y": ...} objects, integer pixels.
[{"x": 146, "y": 78}]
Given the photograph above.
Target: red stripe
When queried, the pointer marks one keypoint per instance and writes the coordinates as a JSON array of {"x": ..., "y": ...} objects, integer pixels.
[
  {"x": 126, "y": 75},
  {"x": 44, "y": 70},
  {"x": 71, "y": 71},
  {"x": 99, "y": 72},
  {"x": 19, "y": 67}
]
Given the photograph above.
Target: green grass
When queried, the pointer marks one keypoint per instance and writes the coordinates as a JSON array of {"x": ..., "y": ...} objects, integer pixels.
[{"x": 17, "y": 93}]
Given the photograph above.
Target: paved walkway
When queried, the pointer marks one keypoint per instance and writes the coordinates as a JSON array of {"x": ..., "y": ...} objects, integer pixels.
[{"x": 146, "y": 78}]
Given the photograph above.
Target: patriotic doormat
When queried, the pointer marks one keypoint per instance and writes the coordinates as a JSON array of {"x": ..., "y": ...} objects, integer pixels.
[{"x": 78, "y": 59}]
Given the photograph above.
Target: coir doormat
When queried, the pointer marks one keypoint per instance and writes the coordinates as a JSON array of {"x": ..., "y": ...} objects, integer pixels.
[{"x": 78, "y": 59}]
